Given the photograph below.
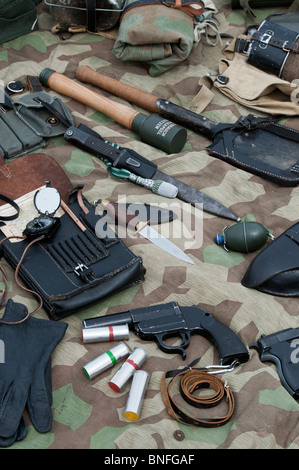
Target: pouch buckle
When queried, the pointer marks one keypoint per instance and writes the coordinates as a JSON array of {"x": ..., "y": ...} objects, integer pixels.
[
  {"x": 84, "y": 272},
  {"x": 265, "y": 39}
]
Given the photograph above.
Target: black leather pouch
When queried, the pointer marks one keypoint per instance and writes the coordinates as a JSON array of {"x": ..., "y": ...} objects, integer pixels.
[
  {"x": 74, "y": 268},
  {"x": 274, "y": 49},
  {"x": 261, "y": 146},
  {"x": 276, "y": 269}
]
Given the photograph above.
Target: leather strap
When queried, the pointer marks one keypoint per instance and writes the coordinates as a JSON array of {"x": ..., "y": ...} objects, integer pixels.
[
  {"x": 91, "y": 15},
  {"x": 192, "y": 379},
  {"x": 33, "y": 84},
  {"x": 188, "y": 6},
  {"x": 13, "y": 204},
  {"x": 251, "y": 122},
  {"x": 264, "y": 38}
]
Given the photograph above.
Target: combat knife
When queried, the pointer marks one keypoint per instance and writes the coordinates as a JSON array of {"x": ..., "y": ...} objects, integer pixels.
[
  {"x": 144, "y": 229},
  {"x": 128, "y": 159}
]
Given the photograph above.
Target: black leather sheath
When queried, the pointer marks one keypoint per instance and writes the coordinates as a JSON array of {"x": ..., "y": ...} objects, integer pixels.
[{"x": 276, "y": 269}]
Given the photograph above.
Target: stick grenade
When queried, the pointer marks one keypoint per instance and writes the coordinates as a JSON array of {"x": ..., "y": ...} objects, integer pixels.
[
  {"x": 153, "y": 130},
  {"x": 146, "y": 100}
]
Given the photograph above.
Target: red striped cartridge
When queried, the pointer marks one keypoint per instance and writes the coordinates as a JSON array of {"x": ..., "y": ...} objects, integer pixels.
[
  {"x": 128, "y": 369},
  {"x": 105, "y": 333},
  {"x": 136, "y": 395},
  {"x": 106, "y": 360}
]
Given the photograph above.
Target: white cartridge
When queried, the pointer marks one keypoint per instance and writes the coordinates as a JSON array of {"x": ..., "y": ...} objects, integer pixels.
[
  {"x": 136, "y": 395},
  {"x": 105, "y": 333},
  {"x": 106, "y": 360},
  {"x": 128, "y": 369}
]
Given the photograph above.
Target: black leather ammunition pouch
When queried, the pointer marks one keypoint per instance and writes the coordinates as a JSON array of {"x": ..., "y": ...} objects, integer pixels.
[{"x": 74, "y": 268}]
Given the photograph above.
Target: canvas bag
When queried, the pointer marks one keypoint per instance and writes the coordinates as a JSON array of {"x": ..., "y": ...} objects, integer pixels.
[
  {"x": 160, "y": 34},
  {"x": 17, "y": 17},
  {"x": 252, "y": 87}
]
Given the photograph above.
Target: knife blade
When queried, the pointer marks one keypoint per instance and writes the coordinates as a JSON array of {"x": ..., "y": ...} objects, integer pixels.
[
  {"x": 191, "y": 195},
  {"x": 126, "y": 158},
  {"x": 144, "y": 229}
]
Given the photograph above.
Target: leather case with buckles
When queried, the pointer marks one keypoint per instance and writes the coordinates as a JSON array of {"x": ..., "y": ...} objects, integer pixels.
[
  {"x": 73, "y": 268},
  {"x": 270, "y": 48}
]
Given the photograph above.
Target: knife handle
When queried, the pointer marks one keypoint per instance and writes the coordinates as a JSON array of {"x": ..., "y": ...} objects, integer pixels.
[{"x": 121, "y": 216}]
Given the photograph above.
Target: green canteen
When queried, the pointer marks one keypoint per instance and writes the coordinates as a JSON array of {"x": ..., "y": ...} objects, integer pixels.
[{"x": 243, "y": 237}]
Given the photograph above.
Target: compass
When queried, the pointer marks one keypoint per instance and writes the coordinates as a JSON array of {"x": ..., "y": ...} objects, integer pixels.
[{"x": 46, "y": 201}]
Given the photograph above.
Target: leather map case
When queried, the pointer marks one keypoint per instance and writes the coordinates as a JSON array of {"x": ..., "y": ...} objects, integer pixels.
[{"x": 73, "y": 268}]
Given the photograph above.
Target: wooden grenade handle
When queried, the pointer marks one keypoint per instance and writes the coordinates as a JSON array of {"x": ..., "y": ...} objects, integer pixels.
[
  {"x": 68, "y": 87},
  {"x": 128, "y": 92}
]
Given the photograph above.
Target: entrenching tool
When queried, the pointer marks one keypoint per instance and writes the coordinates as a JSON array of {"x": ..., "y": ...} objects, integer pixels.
[
  {"x": 152, "y": 129},
  {"x": 261, "y": 146}
]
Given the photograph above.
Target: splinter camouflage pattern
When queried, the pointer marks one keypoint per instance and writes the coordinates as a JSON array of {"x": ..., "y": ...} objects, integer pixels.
[
  {"x": 88, "y": 414},
  {"x": 155, "y": 34}
]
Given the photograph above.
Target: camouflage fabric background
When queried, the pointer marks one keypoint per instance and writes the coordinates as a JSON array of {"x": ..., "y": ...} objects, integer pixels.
[
  {"x": 88, "y": 414},
  {"x": 171, "y": 36}
]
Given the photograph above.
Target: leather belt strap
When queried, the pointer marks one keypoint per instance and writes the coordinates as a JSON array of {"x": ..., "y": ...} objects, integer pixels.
[
  {"x": 265, "y": 38},
  {"x": 192, "y": 379},
  {"x": 33, "y": 84},
  {"x": 91, "y": 15},
  {"x": 13, "y": 204},
  {"x": 192, "y": 8}
]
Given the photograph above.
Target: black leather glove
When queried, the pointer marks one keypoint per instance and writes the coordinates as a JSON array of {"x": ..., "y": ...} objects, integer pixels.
[{"x": 25, "y": 373}]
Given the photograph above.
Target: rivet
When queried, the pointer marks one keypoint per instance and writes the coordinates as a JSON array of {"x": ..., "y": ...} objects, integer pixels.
[{"x": 179, "y": 435}]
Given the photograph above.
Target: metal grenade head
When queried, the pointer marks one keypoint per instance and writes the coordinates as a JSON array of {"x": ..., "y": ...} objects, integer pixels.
[{"x": 243, "y": 237}]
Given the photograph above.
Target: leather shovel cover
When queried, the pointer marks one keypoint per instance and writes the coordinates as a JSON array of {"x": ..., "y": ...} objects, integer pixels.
[
  {"x": 261, "y": 152},
  {"x": 25, "y": 174}
]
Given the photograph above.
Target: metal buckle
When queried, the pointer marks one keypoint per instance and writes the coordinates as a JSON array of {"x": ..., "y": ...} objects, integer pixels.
[
  {"x": 220, "y": 369},
  {"x": 83, "y": 272},
  {"x": 266, "y": 38},
  {"x": 222, "y": 79},
  {"x": 284, "y": 46}
]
